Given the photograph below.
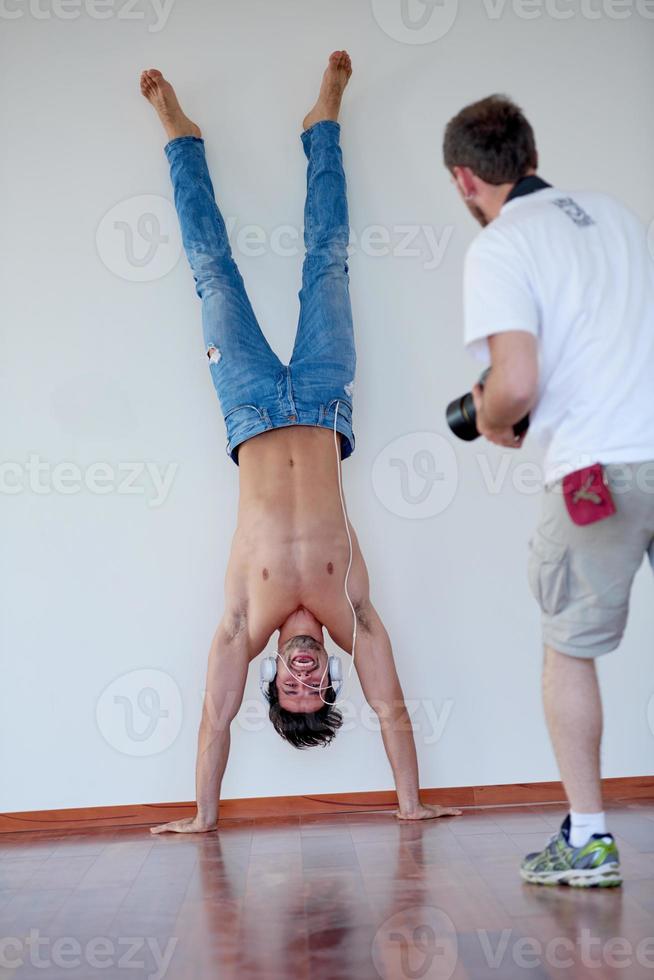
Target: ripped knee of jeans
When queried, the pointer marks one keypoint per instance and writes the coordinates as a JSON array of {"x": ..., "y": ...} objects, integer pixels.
[{"x": 213, "y": 354}]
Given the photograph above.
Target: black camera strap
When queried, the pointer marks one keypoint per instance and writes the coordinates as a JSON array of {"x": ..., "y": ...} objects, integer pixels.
[{"x": 526, "y": 185}]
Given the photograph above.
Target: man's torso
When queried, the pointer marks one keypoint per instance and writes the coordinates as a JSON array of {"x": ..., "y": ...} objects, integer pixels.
[{"x": 290, "y": 548}]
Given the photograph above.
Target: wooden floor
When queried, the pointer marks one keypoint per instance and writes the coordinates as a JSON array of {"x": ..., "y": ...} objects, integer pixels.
[{"x": 344, "y": 896}]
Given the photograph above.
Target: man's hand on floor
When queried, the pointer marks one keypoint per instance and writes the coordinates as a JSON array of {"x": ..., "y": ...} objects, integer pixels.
[
  {"x": 425, "y": 812},
  {"x": 188, "y": 825}
]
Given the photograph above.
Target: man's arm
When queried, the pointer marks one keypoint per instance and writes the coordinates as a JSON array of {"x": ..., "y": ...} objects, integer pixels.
[
  {"x": 229, "y": 657},
  {"x": 381, "y": 686},
  {"x": 511, "y": 389}
]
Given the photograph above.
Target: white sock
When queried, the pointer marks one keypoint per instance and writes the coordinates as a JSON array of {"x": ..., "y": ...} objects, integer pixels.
[{"x": 584, "y": 825}]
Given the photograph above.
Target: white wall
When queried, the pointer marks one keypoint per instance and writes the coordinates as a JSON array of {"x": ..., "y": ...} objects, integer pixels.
[{"x": 99, "y": 367}]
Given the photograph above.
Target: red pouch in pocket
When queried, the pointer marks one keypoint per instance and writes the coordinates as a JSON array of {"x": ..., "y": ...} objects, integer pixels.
[{"x": 588, "y": 495}]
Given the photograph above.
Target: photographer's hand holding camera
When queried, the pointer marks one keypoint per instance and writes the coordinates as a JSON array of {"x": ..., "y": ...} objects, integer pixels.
[{"x": 510, "y": 390}]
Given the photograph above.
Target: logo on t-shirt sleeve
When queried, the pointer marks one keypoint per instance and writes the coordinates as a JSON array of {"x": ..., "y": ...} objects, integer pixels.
[{"x": 574, "y": 211}]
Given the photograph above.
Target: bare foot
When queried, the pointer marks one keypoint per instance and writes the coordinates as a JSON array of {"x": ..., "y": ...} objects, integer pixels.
[
  {"x": 162, "y": 96},
  {"x": 333, "y": 85}
]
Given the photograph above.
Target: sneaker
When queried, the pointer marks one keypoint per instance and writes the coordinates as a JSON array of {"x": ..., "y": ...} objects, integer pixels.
[{"x": 596, "y": 864}]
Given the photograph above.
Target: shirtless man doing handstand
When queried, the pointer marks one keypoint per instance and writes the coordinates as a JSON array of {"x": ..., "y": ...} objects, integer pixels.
[{"x": 295, "y": 564}]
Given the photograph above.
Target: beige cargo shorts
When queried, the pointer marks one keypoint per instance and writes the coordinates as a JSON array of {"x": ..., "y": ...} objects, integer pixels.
[{"x": 582, "y": 576}]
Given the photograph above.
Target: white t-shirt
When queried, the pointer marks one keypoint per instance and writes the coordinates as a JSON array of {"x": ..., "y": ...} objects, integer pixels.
[{"x": 575, "y": 271}]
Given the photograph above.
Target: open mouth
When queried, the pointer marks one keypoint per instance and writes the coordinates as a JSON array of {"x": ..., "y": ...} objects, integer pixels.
[{"x": 304, "y": 661}]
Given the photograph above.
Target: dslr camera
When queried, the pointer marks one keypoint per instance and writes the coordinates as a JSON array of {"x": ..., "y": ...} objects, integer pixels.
[{"x": 462, "y": 417}]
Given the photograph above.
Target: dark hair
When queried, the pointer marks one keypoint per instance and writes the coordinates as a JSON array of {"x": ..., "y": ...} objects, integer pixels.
[
  {"x": 304, "y": 729},
  {"x": 493, "y": 138}
]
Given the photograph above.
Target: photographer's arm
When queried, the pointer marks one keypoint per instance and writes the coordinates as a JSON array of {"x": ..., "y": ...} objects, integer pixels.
[
  {"x": 511, "y": 389},
  {"x": 381, "y": 686},
  {"x": 226, "y": 675}
]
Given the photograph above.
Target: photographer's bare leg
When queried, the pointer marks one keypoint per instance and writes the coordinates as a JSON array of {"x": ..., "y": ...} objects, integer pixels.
[{"x": 573, "y": 710}]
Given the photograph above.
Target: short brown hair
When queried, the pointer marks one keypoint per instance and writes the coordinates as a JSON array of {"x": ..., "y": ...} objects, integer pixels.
[
  {"x": 304, "y": 729},
  {"x": 493, "y": 138}
]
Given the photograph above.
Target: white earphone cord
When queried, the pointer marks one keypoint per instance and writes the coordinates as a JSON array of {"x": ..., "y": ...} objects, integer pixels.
[
  {"x": 349, "y": 540},
  {"x": 347, "y": 576}
]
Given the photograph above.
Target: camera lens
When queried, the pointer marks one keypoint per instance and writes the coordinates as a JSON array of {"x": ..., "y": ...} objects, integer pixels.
[{"x": 462, "y": 418}]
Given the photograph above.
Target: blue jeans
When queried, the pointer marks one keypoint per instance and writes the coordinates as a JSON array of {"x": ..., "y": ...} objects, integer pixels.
[{"x": 256, "y": 391}]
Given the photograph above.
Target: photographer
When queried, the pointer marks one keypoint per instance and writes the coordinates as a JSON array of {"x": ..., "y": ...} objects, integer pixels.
[{"x": 559, "y": 299}]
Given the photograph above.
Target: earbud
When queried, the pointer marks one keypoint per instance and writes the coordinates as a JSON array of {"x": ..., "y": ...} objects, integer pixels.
[
  {"x": 267, "y": 672},
  {"x": 336, "y": 674}
]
